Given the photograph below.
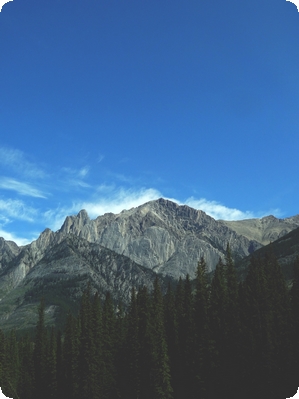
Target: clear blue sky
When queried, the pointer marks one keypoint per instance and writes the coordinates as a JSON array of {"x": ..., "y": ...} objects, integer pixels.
[{"x": 107, "y": 104}]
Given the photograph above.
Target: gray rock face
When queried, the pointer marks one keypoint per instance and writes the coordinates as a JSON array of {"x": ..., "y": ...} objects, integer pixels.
[{"x": 162, "y": 236}]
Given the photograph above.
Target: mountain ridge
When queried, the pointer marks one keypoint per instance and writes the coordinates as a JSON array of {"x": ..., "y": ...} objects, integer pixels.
[{"x": 117, "y": 252}]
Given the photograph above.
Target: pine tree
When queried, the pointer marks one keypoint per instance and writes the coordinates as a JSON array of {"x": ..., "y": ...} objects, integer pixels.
[
  {"x": 233, "y": 338},
  {"x": 160, "y": 362},
  {"x": 40, "y": 354},
  {"x": 171, "y": 333},
  {"x": 294, "y": 297},
  {"x": 86, "y": 366},
  {"x": 184, "y": 300},
  {"x": 144, "y": 342},
  {"x": 204, "y": 355},
  {"x": 97, "y": 331},
  {"x": 130, "y": 383},
  {"x": 59, "y": 365},
  {"x": 70, "y": 355},
  {"x": 257, "y": 328},
  {"x": 2, "y": 359},
  {"x": 280, "y": 323},
  {"x": 218, "y": 326},
  {"x": 109, "y": 349},
  {"x": 26, "y": 379},
  {"x": 51, "y": 368},
  {"x": 11, "y": 369}
]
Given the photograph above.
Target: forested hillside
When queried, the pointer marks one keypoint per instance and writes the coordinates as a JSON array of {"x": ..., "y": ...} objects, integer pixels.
[{"x": 224, "y": 339}]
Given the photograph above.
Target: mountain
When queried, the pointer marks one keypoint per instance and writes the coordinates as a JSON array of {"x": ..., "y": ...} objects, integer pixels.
[
  {"x": 163, "y": 236},
  {"x": 116, "y": 252},
  {"x": 264, "y": 230},
  {"x": 60, "y": 275},
  {"x": 285, "y": 249}
]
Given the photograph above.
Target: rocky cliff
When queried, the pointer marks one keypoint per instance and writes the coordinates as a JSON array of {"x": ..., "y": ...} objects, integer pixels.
[
  {"x": 162, "y": 236},
  {"x": 118, "y": 251}
]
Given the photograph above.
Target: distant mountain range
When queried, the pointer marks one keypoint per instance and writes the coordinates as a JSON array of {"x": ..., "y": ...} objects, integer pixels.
[{"x": 118, "y": 251}]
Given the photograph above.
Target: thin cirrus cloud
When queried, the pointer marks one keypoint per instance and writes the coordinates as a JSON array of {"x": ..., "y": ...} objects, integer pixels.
[
  {"x": 21, "y": 188},
  {"x": 16, "y": 210},
  {"x": 16, "y": 161}
]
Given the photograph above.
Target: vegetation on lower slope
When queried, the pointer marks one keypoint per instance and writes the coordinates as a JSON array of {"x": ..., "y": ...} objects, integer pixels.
[{"x": 224, "y": 339}]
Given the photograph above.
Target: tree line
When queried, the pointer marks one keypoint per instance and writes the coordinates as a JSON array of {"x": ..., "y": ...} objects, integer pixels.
[{"x": 199, "y": 340}]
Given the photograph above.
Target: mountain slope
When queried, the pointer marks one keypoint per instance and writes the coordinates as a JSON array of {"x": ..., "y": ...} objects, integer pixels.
[
  {"x": 285, "y": 249},
  {"x": 62, "y": 274},
  {"x": 264, "y": 230},
  {"x": 162, "y": 236},
  {"x": 118, "y": 251}
]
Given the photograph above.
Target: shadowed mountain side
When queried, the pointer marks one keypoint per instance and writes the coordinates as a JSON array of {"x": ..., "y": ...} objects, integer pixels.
[
  {"x": 285, "y": 249},
  {"x": 62, "y": 274}
]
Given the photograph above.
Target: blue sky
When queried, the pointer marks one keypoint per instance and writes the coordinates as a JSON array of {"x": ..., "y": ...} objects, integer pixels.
[{"x": 105, "y": 105}]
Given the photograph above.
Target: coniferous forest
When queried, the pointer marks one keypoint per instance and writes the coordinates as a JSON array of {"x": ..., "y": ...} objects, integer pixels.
[{"x": 201, "y": 339}]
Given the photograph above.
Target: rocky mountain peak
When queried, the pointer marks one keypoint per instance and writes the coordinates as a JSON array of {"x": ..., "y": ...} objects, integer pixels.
[
  {"x": 83, "y": 216},
  {"x": 74, "y": 224}
]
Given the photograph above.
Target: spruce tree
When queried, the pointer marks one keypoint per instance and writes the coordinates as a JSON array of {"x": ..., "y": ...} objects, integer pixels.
[
  {"x": 26, "y": 378},
  {"x": 257, "y": 328},
  {"x": 130, "y": 385},
  {"x": 280, "y": 323},
  {"x": 218, "y": 326},
  {"x": 86, "y": 348},
  {"x": 70, "y": 355},
  {"x": 59, "y": 365},
  {"x": 40, "y": 352},
  {"x": 11, "y": 369},
  {"x": 144, "y": 343},
  {"x": 109, "y": 349},
  {"x": 51, "y": 368},
  {"x": 233, "y": 338},
  {"x": 185, "y": 371},
  {"x": 204, "y": 355},
  {"x": 171, "y": 333},
  {"x": 160, "y": 370},
  {"x": 294, "y": 297},
  {"x": 97, "y": 332}
]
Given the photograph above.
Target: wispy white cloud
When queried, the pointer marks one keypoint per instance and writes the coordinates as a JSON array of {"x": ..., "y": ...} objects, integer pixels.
[
  {"x": 16, "y": 210},
  {"x": 84, "y": 171},
  {"x": 20, "y": 187},
  {"x": 75, "y": 177},
  {"x": 12, "y": 237},
  {"x": 219, "y": 211},
  {"x": 100, "y": 158},
  {"x": 16, "y": 161},
  {"x": 119, "y": 200},
  {"x": 12, "y": 210}
]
